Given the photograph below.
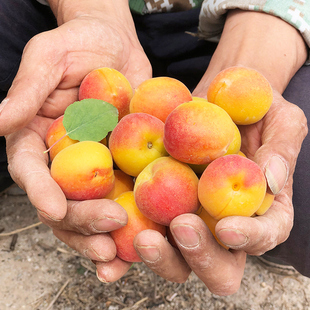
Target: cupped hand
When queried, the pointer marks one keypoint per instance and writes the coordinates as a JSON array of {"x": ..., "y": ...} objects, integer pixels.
[
  {"x": 197, "y": 250},
  {"x": 55, "y": 62},
  {"x": 52, "y": 68},
  {"x": 274, "y": 143}
]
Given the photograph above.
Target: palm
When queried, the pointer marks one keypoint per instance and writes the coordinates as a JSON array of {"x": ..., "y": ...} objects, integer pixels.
[{"x": 78, "y": 47}]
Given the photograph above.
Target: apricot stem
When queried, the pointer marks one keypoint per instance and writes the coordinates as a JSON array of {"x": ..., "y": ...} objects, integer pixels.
[{"x": 46, "y": 151}]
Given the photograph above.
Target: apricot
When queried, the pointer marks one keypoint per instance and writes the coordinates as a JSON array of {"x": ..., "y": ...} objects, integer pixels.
[
  {"x": 56, "y": 138},
  {"x": 232, "y": 185},
  {"x": 123, "y": 183},
  {"x": 266, "y": 204},
  {"x": 235, "y": 145},
  {"x": 158, "y": 96},
  {"x": 198, "y": 132},
  {"x": 165, "y": 189},
  {"x": 136, "y": 141},
  {"x": 137, "y": 222},
  {"x": 210, "y": 222},
  {"x": 109, "y": 85},
  {"x": 195, "y": 98},
  {"x": 244, "y": 93},
  {"x": 84, "y": 170},
  {"x": 198, "y": 169}
]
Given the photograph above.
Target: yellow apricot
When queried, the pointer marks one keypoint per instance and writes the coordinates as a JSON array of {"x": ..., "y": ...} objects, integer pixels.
[{"x": 244, "y": 93}]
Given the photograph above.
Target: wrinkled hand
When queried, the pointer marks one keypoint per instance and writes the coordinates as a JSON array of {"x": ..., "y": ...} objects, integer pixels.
[
  {"x": 52, "y": 68},
  {"x": 274, "y": 143},
  {"x": 55, "y": 62}
]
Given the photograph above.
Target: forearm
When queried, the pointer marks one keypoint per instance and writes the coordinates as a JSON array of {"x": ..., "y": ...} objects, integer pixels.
[
  {"x": 66, "y": 10},
  {"x": 260, "y": 41}
]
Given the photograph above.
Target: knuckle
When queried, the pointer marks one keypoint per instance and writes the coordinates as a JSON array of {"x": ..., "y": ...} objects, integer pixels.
[{"x": 300, "y": 119}]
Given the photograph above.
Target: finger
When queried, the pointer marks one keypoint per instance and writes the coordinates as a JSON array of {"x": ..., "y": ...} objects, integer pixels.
[
  {"x": 138, "y": 71},
  {"x": 40, "y": 72},
  {"x": 256, "y": 235},
  {"x": 157, "y": 253},
  {"x": 221, "y": 270},
  {"x": 28, "y": 167},
  {"x": 91, "y": 217},
  {"x": 98, "y": 247},
  {"x": 113, "y": 270},
  {"x": 57, "y": 102},
  {"x": 284, "y": 129}
]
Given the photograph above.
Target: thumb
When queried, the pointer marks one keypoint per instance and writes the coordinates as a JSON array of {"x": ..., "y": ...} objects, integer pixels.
[
  {"x": 284, "y": 129},
  {"x": 276, "y": 172}
]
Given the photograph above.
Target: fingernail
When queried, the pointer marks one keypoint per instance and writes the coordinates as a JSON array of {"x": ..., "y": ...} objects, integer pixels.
[
  {"x": 186, "y": 235},
  {"x": 232, "y": 238},
  {"x": 93, "y": 255},
  {"x": 3, "y": 103},
  {"x": 148, "y": 253},
  {"x": 276, "y": 174},
  {"x": 100, "y": 278},
  {"x": 106, "y": 224},
  {"x": 48, "y": 216}
]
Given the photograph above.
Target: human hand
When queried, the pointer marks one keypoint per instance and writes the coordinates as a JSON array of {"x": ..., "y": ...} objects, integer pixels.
[
  {"x": 274, "y": 143},
  {"x": 55, "y": 62},
  {"x": 53, "y": 65}
]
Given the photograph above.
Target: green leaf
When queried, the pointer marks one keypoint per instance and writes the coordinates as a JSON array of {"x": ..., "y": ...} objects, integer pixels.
[{"x": 90, "y": 119}]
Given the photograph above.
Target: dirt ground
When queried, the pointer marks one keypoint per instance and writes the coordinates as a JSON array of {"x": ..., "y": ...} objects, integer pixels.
[{"x": 39, "y": 272}]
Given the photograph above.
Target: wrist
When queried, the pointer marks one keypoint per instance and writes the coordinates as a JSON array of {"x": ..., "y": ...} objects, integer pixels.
[
  {"x": 66, "y": 10},
  {"x": 262, "y": 42}
]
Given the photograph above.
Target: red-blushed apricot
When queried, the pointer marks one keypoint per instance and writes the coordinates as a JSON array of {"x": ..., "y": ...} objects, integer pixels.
[
  {"x": 136, "y": 141},
  {"x": 84, "y": 170},
  {"x": 232, "y": 185},
  {"x": 137, "y": 222},
  {"x": 244, "y": 93},
  {"x": 56, "y": 138},
  {"x": 165, "y": 189},
  {"x": 158, "y": 96},
  {"x": 198, "y": 132},
  {"x": 108, "y": 85}
]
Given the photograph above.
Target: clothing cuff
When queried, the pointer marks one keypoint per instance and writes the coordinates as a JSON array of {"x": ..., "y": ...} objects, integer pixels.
[{"x": 213, "y": 14}]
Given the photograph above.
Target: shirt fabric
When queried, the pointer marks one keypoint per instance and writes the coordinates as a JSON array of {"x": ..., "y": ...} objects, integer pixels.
[
  {"x": 157, "y": 6},
  {"x": 213, "y": 12},
  {"x": 295, "y": 12}
]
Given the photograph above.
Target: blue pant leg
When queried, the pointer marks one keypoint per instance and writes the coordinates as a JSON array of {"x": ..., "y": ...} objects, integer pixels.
[{"x": 20, "y": 20}]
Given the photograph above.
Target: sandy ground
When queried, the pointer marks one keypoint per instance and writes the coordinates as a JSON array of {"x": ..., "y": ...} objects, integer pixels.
[{"x": 39, "y": 272}]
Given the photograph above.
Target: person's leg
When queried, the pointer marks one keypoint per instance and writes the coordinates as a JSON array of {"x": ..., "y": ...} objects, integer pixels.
[
  {"x": 296, "y": 250},
  {"x": 20, "y": 20}
]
